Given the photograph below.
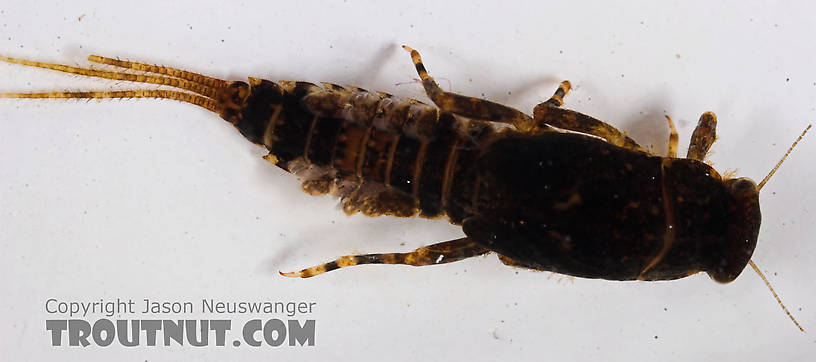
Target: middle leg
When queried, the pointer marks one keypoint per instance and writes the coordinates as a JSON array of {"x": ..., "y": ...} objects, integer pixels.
[
  {"x": 470, "y": 107},
  {"x": 548, "y": 113},
  {"x": 557, "y": 99},
  {"x": 545, "y": 114}
]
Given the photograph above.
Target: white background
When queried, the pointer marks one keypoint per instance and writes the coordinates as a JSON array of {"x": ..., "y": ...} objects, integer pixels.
[{"x": 162, "y": 200}]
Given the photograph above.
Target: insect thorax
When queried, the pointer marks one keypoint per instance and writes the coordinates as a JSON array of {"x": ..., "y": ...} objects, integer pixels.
[{"x": 580, "y": 206}]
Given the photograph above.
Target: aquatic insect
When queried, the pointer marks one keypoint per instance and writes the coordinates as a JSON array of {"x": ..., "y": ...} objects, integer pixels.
[{"x": 559, "y": 191}]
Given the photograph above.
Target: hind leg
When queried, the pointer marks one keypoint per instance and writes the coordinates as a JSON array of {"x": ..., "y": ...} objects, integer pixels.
[{"x": 441, "y": 253}]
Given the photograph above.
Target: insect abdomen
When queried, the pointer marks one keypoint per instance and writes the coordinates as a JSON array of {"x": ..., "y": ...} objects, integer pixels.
[{"x": 381, "y": 154}]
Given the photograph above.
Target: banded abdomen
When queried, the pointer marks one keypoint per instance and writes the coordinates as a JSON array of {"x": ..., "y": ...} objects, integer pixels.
[{"x": 382, "y": 155}]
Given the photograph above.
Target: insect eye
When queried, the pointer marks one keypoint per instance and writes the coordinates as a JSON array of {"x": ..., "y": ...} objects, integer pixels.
[{"x": 742, "y": 186}]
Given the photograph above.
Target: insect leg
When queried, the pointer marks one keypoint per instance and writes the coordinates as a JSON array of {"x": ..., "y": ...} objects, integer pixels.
[
  {"x": 546, "y": 113},
  {"x": 673, "y": 138},
  {"x": 441, "y": 253},
  {"x": 557, "y": 100},
  {"x": 703, "y": 137},
  {"x": 515, "y": 263},
  {"x": 471, "y": 107}
]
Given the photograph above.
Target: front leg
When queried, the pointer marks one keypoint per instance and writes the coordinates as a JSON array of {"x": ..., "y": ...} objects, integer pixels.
[
  {"x": 673, "y": 138},
  {"x": 703, "y": 137}
]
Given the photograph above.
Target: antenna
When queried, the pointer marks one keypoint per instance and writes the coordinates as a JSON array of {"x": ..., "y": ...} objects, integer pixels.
[
  {"x": 762, "y": 183},
  {"x": 751, "y": 262},
  {"x": 778, "y": 300}
]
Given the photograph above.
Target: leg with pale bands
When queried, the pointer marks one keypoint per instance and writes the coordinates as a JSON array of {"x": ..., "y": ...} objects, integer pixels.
[
  {"x": 441, "y": 253},
  {"x": 470, "y": 107},
  {"x": 703, "y": 137},
  {"x": 557, "y": 100},
  {"x": 546, "y": 114}
]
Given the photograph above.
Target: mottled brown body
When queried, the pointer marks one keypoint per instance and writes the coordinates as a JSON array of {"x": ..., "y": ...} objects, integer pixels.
[
  {"x": 559, "y": 191},
  {"x": 591, "y": 203},
  {"x": 544, "y": 199}
]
